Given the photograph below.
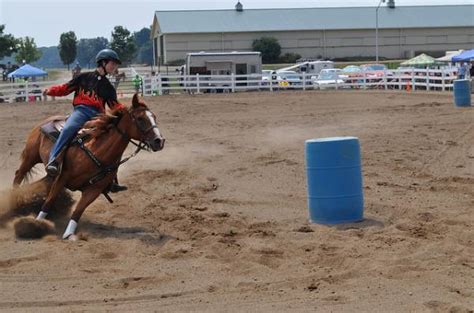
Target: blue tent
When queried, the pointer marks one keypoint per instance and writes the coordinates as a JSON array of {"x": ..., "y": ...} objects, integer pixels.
[
  {"x": 467, "y": 55},
  {"x": 27, "y": 71}
]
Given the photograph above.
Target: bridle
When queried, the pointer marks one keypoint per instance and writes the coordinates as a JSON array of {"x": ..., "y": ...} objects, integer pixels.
[
  {"x": 143, "y": 131},
  {"x": 141, "y": 145}
]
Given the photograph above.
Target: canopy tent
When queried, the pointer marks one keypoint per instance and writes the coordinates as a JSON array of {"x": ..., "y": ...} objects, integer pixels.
[
  {"x": 422, "y": 60},
  {"x": 467, "y": 55},
  {"x": 449, "y": 55},
  {"x": 27, "y": 71}
]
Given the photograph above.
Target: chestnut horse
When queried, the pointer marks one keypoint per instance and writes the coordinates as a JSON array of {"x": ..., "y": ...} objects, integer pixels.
[{"x": 109, "y": 138}]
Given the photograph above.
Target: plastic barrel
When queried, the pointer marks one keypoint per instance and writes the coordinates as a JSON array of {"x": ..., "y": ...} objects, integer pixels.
[
  {"x": 334, "y": 180},
  {"x": 462, "y": 92}
]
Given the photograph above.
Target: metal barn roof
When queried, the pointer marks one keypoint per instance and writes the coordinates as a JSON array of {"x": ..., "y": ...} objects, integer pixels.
[{"x": 258, "y": 20}]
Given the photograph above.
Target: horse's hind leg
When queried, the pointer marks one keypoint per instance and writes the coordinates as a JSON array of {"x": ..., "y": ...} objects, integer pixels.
[{"x": 53, "y": 192}]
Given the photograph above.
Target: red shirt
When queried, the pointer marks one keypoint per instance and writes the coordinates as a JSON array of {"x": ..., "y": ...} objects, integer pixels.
[{"x": 90, "y": 89}]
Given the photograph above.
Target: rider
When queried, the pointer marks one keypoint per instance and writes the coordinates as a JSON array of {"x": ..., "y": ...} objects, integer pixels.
[{"x": 92, "y": 91}]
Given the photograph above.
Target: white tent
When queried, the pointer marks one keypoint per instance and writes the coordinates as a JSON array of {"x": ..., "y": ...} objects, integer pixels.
[{"x": 449, "y": 55}]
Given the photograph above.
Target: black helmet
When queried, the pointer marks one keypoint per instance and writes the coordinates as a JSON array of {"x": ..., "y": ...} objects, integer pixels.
[{"x": 106, "y": 55}]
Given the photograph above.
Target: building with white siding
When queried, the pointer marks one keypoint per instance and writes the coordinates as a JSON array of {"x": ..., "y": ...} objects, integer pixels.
[{"x": 316, "y": 32}]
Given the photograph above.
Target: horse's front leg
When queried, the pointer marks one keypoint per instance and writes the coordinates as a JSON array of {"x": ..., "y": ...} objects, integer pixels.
[{"x": 88, "y": 196}]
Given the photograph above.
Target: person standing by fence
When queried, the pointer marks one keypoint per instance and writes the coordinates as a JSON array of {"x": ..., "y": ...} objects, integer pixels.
[
  {"x": 137, "y": 83},
  {"x": 461, "y": 71}
]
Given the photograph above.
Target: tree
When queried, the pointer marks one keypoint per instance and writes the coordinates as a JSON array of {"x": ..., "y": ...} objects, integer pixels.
[
  {"x": 123, "y": 43},
  {"x": 8, "y": 43},
  {"x": 88, "y": 48},
  {"x": 289, "y": 57},
  {"x": 142, "y": 36},
  {"x": 145, "y": 54},
  {"x": 144, "y": 46},
  {"x": 27, "y": 51},
  {"x": 67, "y": 48},
  {"x": 269, "y": 47}
]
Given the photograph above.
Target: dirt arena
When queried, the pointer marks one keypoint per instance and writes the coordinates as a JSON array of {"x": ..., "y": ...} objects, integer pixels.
[{"x": 218, "y": 220}]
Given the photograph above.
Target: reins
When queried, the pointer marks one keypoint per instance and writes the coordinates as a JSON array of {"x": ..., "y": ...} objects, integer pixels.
[{"x": 141, "y": 145}]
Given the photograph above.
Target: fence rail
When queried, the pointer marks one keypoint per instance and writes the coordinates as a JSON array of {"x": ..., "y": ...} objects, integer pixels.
[
  {"x": 413, "y": 79},
  {"x": 26, "y": 91}
]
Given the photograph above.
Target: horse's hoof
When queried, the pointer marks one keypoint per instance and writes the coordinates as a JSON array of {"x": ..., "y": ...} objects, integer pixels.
[{"x": 71, "y": 238}]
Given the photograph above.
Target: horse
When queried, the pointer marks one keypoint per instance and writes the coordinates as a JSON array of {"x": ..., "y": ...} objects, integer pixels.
[{"x": 91, "y": 166}]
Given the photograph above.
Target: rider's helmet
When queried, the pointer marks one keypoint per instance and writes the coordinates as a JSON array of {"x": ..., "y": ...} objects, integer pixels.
[{"x": 107, "y": 55}]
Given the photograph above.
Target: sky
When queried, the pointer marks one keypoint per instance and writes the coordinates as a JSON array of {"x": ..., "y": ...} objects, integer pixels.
[{"x": 45, "y": 20}]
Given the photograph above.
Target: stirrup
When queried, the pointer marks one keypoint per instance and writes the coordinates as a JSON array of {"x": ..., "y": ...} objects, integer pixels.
[{"x": 53, "y": 168}]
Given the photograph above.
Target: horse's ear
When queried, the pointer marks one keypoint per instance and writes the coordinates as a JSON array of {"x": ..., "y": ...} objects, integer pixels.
[{"x": 135, "y": 101}]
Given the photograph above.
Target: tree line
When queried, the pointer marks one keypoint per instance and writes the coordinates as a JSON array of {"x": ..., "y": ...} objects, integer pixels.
[{"x": 131, "y": 47}]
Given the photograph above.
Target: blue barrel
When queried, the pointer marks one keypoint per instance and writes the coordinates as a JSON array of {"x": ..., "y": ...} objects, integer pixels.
[
  {"x": 334, "y": 180},
  {"x": 462, "y": 92}
]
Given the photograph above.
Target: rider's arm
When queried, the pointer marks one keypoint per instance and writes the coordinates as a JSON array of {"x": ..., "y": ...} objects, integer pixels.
[
  {"x": 112, "y": 101},
  {"x": 64, "y": 89},
  {"x": 114, "y": 104}
]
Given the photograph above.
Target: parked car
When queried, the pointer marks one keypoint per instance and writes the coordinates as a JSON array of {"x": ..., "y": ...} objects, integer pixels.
[
  {"x": 352, "y": 74},
  {"x": 328, "y": 80},
  {"x": 268, "y": 76},
  {"x": 375, "y": 71},
  {"x": 289, "y": 79},
  {"x": 328, "y": 70}
]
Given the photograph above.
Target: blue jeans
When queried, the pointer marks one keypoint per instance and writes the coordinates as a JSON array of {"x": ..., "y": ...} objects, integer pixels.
[{"x": 78, "y": 117}]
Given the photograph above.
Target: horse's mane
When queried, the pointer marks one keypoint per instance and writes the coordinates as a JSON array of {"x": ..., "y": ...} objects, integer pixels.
[{"x": 102, "y": 123}]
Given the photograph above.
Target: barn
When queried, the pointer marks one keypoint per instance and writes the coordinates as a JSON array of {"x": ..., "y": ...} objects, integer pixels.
[{"x": 321, "y": 32}]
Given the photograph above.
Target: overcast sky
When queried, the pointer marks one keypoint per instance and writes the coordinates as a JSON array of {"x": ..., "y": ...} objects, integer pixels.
[{"x": 46, "y": 20}]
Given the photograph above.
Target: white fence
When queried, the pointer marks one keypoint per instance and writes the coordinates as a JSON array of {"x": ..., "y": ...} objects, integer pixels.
[
  {"x": 413, "y": 79},
  {"x": 29, "y": 91}
]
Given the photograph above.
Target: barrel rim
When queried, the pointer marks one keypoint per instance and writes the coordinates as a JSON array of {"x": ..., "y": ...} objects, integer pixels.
[{"x": 331, "y": 139}]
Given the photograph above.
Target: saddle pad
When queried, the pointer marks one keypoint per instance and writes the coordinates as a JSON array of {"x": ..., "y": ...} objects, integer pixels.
[{"x": 53, "y": 128}]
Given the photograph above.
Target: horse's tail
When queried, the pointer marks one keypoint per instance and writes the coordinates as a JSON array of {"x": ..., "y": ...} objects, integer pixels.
[
  {"x": 29, "y": 157},
  {"x": 32, "y": 171}
]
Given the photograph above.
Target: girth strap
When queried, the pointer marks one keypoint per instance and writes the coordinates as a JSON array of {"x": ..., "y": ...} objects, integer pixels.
[
  {"x": 89, "y": 153},
  {"x": 104, "y": 171}
]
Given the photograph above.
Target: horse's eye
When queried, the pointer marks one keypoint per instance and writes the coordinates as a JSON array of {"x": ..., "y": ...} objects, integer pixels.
[{"x": 141, "y": 122}]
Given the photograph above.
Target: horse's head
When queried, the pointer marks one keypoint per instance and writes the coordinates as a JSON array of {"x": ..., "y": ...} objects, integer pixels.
[{"x": 144, "y": 127}]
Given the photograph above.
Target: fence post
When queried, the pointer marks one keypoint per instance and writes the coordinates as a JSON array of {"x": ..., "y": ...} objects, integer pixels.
[
  {"x": 232, "y": 77},
  {"x": 413, "y": 85},
  {"x": 27, "y": 94},
  {"x": 197, "y": 84},
  {"x": 442, "y": 79},
  {"x": 160, "y": 89},
  {"x": 427, "y": 80},
  {"x": 364, "y": 81},
  {"x": 385, "y": 79}
]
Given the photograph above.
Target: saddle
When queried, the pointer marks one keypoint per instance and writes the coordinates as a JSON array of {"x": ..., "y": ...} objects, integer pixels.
[{"x": 53, "y": 128}]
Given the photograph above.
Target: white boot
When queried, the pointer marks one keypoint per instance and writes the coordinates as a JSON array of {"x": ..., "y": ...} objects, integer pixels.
[
  {"x": 70, "y": 230},
  {"x": 41, "y": 215}
]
